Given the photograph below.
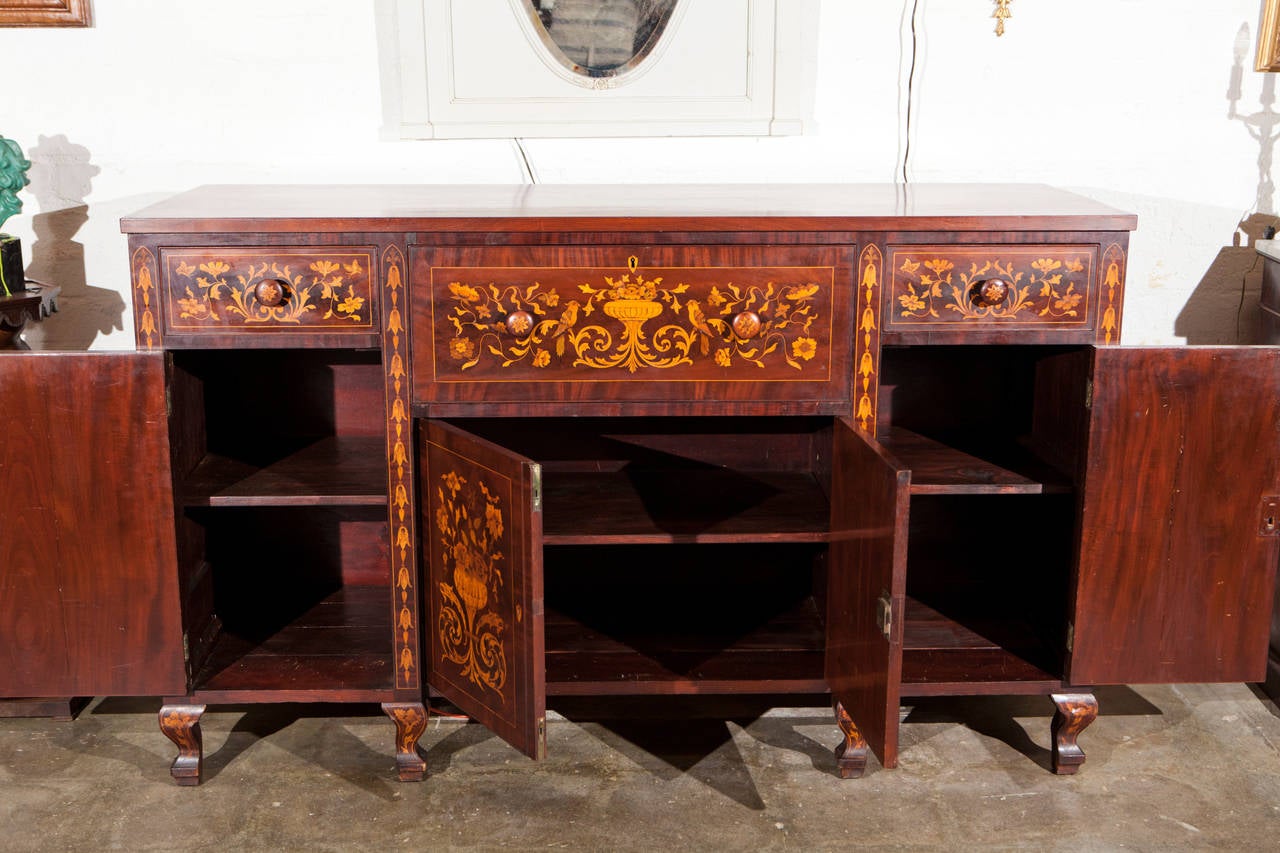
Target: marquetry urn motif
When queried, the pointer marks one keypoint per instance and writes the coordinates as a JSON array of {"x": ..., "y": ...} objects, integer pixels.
[
  {"x": 469, "y": 529},
  {"x": 730, "y": 322}
]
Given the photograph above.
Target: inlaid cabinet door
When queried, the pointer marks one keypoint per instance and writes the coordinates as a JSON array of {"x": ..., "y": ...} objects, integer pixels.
[
  {"x": 482, "y": 532},
  {"x": 1180, "y": 505},
  {"x": 866, "y": 589},
  {"x": 88, "y": 566}
]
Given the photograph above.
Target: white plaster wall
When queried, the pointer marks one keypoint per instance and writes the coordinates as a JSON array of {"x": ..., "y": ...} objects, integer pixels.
[{"x": 1122, "y": 100}]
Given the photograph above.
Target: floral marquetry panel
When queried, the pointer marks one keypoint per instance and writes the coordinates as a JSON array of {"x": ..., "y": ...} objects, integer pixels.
[
  {"x": 481, "y": 534},
  {"x": 614, "y": 323},
  {"x": 939, "y": 292},
  {"x": 269, "y": 290}
]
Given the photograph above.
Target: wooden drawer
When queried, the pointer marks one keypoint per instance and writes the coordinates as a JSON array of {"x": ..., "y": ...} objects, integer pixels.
[
  {"x": 978, "y": 293},
  {"x": 269, "y": 291},
  {"x": 723, "y": 327}
]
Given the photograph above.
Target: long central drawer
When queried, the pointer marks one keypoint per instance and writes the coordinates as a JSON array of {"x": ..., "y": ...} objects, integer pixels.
[{"x": 720, "y": 326}]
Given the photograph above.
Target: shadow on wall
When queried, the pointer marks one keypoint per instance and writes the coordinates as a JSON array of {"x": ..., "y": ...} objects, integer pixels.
[
  {"x": 1223, "y": 309},
  {"x": 61, "y": 180}
]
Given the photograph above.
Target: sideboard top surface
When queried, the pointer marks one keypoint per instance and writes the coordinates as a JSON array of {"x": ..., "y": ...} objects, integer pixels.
[{"x": 626, "y": 207}]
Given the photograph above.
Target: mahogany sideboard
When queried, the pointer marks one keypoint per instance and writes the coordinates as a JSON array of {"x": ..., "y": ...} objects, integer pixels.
[{"x": 509, "y": 443}]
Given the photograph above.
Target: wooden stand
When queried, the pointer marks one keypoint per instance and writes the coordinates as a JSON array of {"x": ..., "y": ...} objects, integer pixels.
[{"x": 22, "y": 306}]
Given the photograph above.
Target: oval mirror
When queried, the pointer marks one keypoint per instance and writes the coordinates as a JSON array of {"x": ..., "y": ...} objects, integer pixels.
[{"x": 600, "y": 38}]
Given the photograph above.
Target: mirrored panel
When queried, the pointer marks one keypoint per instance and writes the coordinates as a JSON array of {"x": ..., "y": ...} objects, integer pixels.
[{"x": 600, "y": 38}]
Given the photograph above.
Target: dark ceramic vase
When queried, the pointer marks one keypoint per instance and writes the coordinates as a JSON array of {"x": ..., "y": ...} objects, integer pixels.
[{"x": 11, "y": 264}]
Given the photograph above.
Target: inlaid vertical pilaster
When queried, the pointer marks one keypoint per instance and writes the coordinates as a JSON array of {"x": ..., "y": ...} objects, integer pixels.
[
  {"x": 395, "y": 358},
  {"x": 866, "y": 350},
  {"x": 1111, "y": 305},
  {"x": 146, "y": 324}
]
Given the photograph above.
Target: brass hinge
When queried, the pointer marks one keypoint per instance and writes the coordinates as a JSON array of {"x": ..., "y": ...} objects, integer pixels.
[
  {"x": 535, "y": 474},
  {"x": 1088, "y": 393},
  {"x": 884, "y": 614},
  {"x": 1270, "y": 521},
  {"x": 1071, "y": 636}
]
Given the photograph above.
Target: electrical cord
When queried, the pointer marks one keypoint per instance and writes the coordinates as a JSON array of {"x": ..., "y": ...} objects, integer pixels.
[
  {"x": 911, "y": 80},
  {"x": 524, "y": 161}
]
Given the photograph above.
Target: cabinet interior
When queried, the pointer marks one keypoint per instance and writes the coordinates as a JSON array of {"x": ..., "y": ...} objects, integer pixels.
[
  {"x": 279, "y": 467},
  {"x": 680, "y": 554},
  {"x": 992, "y": 441},
  {"x": 689, "y": 554}
]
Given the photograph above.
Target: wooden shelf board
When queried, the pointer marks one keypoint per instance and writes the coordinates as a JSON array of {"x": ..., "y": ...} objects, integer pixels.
[
  {"x": 339, "y": 647},
  {"x": 698, "y": 505},
  {"x": 938, "y": 469},
  {"x": 783, "y": 653},
  {"x": 686, "y": 686},
  {"x": 334, "y": 471},
  {"x": 941, "y": 657}
]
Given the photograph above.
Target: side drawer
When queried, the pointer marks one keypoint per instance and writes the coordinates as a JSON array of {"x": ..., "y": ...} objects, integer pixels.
[
  {"x": 719, "y": 327},
  {"x": 978, "y": 293},
  {"x": 283, "y": 292}
]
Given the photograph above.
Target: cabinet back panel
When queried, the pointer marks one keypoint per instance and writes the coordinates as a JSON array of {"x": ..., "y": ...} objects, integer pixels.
[
  {"x": 996, "y": 565},
  {"x": 937, "y": 391},
  {"x": 259, "y": 405},
  {"x": 254, "y": 550},
  {"x": 698, "y": 616},
  {"x": 604, "y": 444}
]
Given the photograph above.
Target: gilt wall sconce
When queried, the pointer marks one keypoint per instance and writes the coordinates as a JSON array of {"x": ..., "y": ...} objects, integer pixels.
[{"x": 1001, "y": 14}]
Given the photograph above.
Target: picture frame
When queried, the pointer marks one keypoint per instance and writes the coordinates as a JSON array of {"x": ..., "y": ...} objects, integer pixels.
[
  {"x": 474, "y": 69},
  {"x": 1268, "y": 58},
  {"x": 45, "y": 13}
]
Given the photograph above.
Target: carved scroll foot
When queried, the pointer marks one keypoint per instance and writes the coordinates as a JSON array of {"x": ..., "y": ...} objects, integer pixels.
[
  {"x": 1075, "y": 712},
  {"x": 411, "y": 721},
  {"x": 181, "y": 724},
  {"x": 851, "y": 753}
]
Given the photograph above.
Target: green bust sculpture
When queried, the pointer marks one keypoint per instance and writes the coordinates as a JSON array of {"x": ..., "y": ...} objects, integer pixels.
[{"x": 13, "y": 177}]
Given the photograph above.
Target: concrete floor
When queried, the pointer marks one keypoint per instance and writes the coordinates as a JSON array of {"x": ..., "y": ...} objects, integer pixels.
[{"x": 1169, "y": 768}]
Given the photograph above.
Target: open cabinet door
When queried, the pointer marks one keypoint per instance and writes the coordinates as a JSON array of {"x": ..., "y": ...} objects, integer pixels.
[
  {"x": 483, "y": 526},
  {"x": 1179, "y": 510},
  {"x": 866, "y": 587},
  {"x": 88, "y": 564}
]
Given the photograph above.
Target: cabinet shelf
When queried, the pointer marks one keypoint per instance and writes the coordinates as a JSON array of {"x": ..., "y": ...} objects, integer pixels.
[
  {"x": 942, "y": 657},
  {"x": 334, "y": 471},
  {"x": 704, "y": 505},
  {"x": 338, "y": 649},
  {"x": 783, "y": 654},
  {"x": 939, "y": 469}
]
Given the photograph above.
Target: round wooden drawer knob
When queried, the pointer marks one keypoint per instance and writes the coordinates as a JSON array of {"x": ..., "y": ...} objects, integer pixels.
[
  {"x": 519, "y": 323},
  {"x": 271, "y": 292},
  {"x": 746, "y": 325},
  {"x": 989, "y": 292}
]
